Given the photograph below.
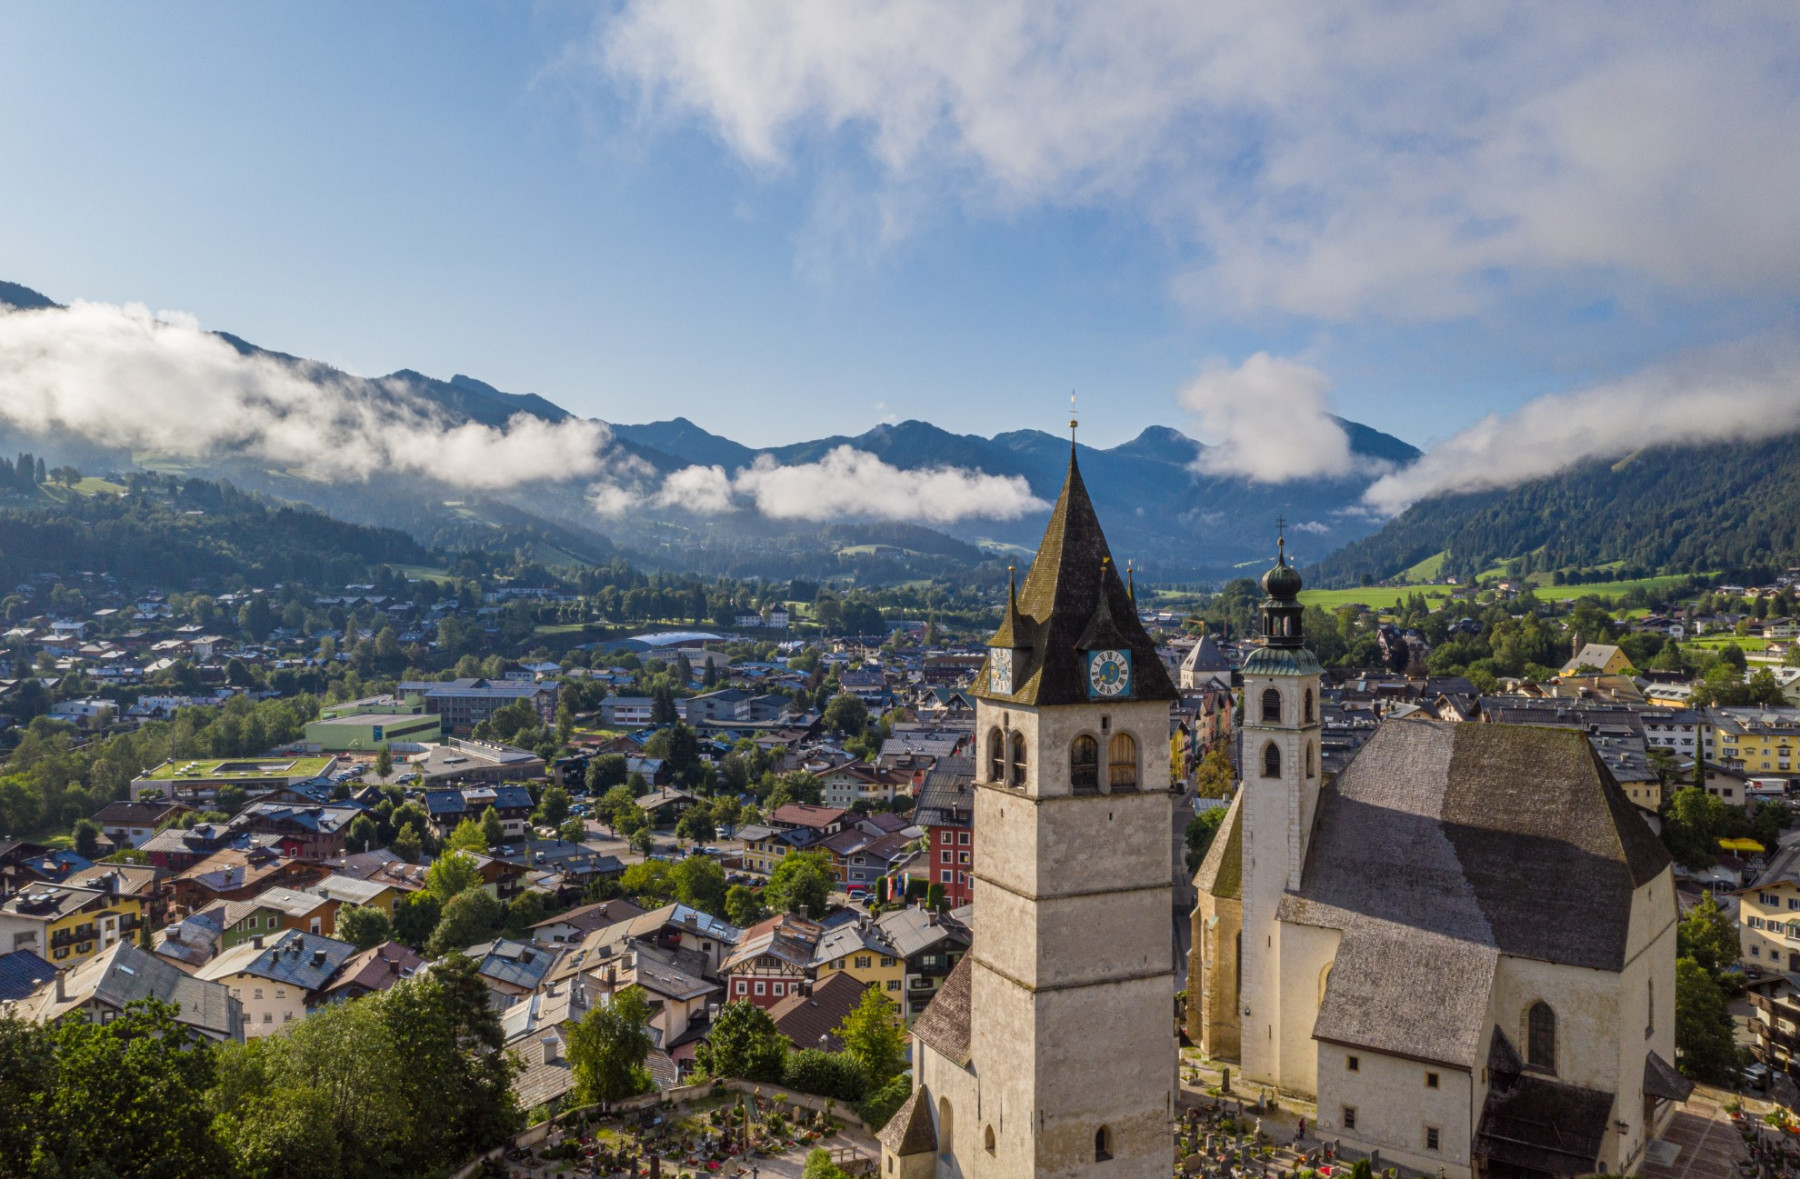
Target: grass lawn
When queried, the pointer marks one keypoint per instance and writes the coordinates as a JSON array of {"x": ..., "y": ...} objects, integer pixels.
[
  {"x": 1608, "y": 590},
  {"x": 560, "y": 628},
  {"x": 1719, "y": 642},
  {"x": 1428, "y": 570},
  {"x": 422, "y": 573},
  {"x": 1376, "y": 597}
]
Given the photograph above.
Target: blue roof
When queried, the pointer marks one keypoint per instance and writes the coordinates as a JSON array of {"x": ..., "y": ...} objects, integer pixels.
[
  {"x": 444, "y": 802},
  {"x": 1282, "y": 661},
  {"x": 21, "y": 972},
  {"x": 519, "y": 963},
  {"x": 509, "y": 797},
  {"x": 307, "y": 960}
]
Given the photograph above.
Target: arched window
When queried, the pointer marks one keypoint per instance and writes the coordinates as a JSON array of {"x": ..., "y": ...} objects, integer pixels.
[
  {"x": 1084, "y": 765},
  {"x": 996, "y": 756},
  {"x": 1309, "y": 759},
  {"x": 1271, "y": 761},
  {"x": 987, "y": 1139},
  {"x": 1271, "y": 706},
  {"x": 1121, "y": 762},
  {"x": 1018, "y": 759},
  {"x": 946, "y": 1128},
  {"x": 1102, "y": 1144},
  {"x": 1540, "y": 1037},
  {"x": 1308, "y": 706}
]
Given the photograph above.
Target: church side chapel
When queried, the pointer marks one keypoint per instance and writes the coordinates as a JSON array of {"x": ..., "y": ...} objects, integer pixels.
[
  {"x": 1050, "y": 1049},
  {"x": 1463, "y": 947}
]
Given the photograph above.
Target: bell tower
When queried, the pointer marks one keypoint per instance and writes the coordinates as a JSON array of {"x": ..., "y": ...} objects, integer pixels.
[
  {"x": 1280, "y": 764},
  {"x": 1064, "y": 1061}
]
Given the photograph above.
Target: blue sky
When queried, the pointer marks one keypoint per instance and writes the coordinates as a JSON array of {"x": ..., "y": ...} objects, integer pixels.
[{"x": 783, "y": 224}]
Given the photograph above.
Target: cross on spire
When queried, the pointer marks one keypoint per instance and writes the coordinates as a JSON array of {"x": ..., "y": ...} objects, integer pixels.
[
  {"x": 1281, "y": 540},
  {"x": 1073, "y": 422}
]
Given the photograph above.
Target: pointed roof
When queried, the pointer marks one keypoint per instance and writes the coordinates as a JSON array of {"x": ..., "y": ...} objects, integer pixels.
[
  {"x": 1206, "y": 657},
  {"x": 1012, "y": 633},
  {"x": 910, "y": 1130},
  {"x": 944, "y": 1024},
  {"x": 1221, "y": 872},
  {"x": 1072, "y": 595}
]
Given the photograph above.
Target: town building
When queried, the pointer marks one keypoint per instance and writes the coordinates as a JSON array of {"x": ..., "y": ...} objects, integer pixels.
[
  {"x": 67, "y": 925},
  {"x": 102, "y": 987},
  {"x": 278, "y": 979},
  {"x": 946, "y": 811},
  {"x": 465, "y": 703}
]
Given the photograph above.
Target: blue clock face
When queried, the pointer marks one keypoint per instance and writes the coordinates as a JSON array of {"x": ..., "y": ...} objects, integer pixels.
[{"x": 1109, "y": 674}]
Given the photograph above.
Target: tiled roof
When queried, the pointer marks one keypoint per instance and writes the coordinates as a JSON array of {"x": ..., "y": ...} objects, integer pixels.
[
  {"x": 805, "y": 1019},
  {"x": 306, "y": 960},
  {"x": 124, "y": 974},
  {"x": 20, "y": 973},
  {"x": 944, "y": 1024},
  {"x": 910, "y": 1130}
]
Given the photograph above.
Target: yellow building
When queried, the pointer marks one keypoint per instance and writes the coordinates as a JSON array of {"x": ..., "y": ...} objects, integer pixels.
[
  {"x": 1769, "y": 925},
  {"x": 861, "y": 951},
  {"x": 1756, "y": 740},
  {"x": 67, "y": 925}
]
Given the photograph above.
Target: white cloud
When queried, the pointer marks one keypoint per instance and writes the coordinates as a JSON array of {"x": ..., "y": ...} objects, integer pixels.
[
  {"x": 1750, "y": 389},
  {"x": 1403, "y": 159},
  {"x": 1313, "y": 526},
  {"x": 121, "y": 376},
  {"x": 1268, "y": 419},
  {"x": 849, "y": 483}
]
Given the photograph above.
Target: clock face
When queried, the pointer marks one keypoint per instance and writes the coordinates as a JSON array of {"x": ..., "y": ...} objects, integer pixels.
[
  {"x": 1000, "y": 670},
  {"x": 1109, "y": 673}
]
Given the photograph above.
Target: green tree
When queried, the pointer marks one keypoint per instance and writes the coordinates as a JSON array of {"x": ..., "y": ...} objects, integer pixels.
[
  {"x": 1200, "y": 832},
  {"x": 606, "y": 771},
  {"x": 607, "y": 1049},
  {"x": 451, "y": 874},
  {"x": 415, "y": 917},
  {"x": 468, "y": 835},
  {"x": 384, "y": 762},
  {"x": 875, "y": 1037},
  {"x": 26, "y": 1068},
  {"x": 695, "y": 824},
  {"x": 492, "y": 833},
  {"x": 744, "y": 1043},
  {"x": 128, "y": 1098},
  {"x": 553, "y": 807},
  {"x": 820, "y": 1166},
  {"x": 650, "y": 881},
  {"x": 362, "y": 834},
  {"x": 572, "y": 831},
  {"x": 617, "y": 803},
  {"x": 363, "y": 926},
  {"x": 700, "y": 883},
  {"x": 1704, "y": 1047},
  {"x": 846, "y": 714},
  {"x": 801, "y": 883},
  {"x": 798, "y": 786},
  {"x": 1708, "y": 935},
  {"x": 87, "y": 839},
  {"x": 743, "y": 908},
  {"x": 407, "y": 844},
  {"x": 934, "y": 895},
  {"x": 1213, "y": 777},
  {"x": 459, "y": 1086},
  {"x": 471, "y": 916}
]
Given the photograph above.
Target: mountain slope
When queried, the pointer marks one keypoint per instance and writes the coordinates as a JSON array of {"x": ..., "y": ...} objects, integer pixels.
[
  {"x": 1718, "y": 507},
  {"x": 1173, "y": 520}
]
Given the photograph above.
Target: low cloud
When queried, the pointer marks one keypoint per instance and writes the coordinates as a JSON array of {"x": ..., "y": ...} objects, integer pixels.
[
  {"x": 120, "y": 376},
  {"x": 1750, "y": 389},
  {"x": 1269, "y": 419},
  {"x": 849, "y": 482}
]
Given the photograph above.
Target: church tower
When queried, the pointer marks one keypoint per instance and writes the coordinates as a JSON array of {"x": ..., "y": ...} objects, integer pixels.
[
  {"x": 1054, "y": 1053},
  {"x": 1280, "y": 764}
]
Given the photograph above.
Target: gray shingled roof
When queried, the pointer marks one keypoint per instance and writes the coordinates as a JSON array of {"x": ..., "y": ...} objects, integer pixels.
[
  {"x": 910, "y": 1130},
  {"x": 944, "y": 1024},
  {"x": 1441, "y": 847}
]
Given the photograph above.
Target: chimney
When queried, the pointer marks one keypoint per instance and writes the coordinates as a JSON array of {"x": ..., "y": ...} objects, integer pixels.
[
  {"x": 551, "y": 1048},
  {"x": 257, "y": 941},
  {"x": 62, "y": 988}
]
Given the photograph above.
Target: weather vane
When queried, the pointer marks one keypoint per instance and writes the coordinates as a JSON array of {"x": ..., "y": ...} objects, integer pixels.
[{"x": 1072, "y": 417}]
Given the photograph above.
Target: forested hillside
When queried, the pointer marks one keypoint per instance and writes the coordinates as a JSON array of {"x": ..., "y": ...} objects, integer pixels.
[
  {"x": 169, "y": 532},
  {"x": 1726, "y": 508}
]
